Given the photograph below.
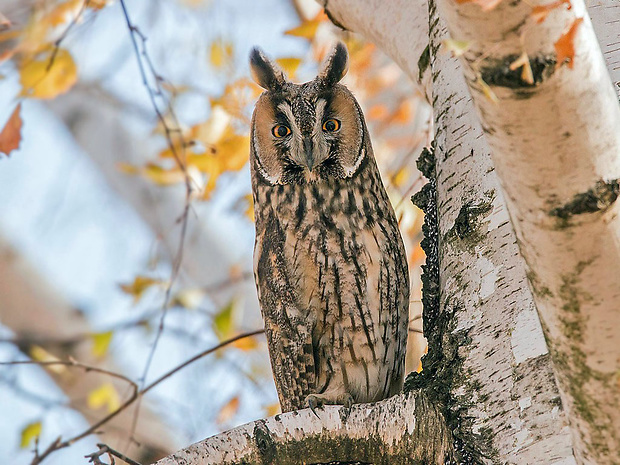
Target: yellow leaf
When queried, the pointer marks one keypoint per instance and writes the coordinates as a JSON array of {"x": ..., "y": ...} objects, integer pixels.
[
  {"x": 457, "y": 47},
  {"x": 221, "y": 53},
  {"x": 223, "y": 321},
  {"x": 163, "y": 176},
  {"x": 127, "y": 168},
  {"x": 289, "y": 65},
  {"x": 138, "y": 286},
  {"x": 29, "y": 432},
  {"x": 49, "y": 75},
  {"x": 246, "y": 344},
  {"x": 104, "y": 396},
  {"x": 273, "y": 409},
  {"x": 307, "y": 29},
  {"x": 101, "y": 343},
  {"x": 249, "y": 211},
  {"x": 39, "y": 354},
  {"x": 10, "y": 137},
  {"x": 228, "y": 410},
  {"x": 526, "y": 72},
  {"x": 400, "y": 177},
  {"x": 98, "y": 4},
  {"x": 189, "y": 298},
  {"x": 487, "y": 91}
]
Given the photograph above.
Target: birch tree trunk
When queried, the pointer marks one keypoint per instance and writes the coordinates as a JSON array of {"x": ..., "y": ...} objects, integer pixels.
[
  {"x": 556, "y": 147},
  {"x": 489, "y": 376}
]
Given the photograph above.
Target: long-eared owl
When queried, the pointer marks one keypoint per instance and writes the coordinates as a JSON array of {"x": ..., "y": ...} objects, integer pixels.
[{"x": 329, "y": 260}]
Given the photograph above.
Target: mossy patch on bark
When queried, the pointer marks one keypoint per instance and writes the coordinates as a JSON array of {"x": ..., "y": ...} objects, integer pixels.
[
  {"x": 442, "y": 365},
  {"x": 598, "y": 198}
]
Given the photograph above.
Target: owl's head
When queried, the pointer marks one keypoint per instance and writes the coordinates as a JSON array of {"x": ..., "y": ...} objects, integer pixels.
[{"x": 305, "y": 132}]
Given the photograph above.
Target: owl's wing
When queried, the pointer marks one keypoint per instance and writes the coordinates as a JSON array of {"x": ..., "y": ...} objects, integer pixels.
[{"x": 288, "y": 334}]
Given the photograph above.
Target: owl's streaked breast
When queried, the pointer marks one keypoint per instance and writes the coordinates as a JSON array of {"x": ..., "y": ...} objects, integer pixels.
[{"x": 346, "y": 263}]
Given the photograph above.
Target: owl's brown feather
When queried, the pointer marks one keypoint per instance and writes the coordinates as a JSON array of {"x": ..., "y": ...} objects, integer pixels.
[{"x": 330, "y": 264}]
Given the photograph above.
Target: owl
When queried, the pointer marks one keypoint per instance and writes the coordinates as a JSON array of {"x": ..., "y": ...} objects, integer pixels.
[{"x": 329, "y": 260}]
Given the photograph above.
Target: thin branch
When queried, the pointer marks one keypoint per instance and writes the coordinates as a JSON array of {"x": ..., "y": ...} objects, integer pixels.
[
  {"x": 60, "y": 444},
  {"x": 74, "y": 363},
  {"x": 143, "y": 57},
  {"x": 105, "y": 449},
  {"x": 64, "y": 34}
]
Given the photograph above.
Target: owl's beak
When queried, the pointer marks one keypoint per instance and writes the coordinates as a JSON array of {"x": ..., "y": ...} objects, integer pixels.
[{"x": 309, "y": 152}]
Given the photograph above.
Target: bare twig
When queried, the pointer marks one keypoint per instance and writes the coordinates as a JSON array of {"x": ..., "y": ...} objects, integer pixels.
[
  {"x": 60, "y": 444},
  {"x": 142, "y": 59},
  {"x": 105, "y": 449},
  {"x": 64, "y": 34}
]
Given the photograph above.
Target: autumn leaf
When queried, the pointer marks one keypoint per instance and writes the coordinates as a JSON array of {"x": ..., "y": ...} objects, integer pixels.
[
  {"x": 101, "y": 343},
  {"x": 223, "y": 322},
  {"x": 29, "y": 433},
  {"x": 221, "y": 54},
  {"x": 273, "y": 409},
  {"x": 10, "y": 137},
  {"x": 39, "y": 354},
  {"x": 229, "y": 151},
  {"x": 400, "y": 177},
  {"x": 246, "y": 344},
  {"x": 486, "y": 90},
  {"x": 63, "y": 12},
  {"x": 306, "y": 30},
  {"x": 289, "y": 65},
  {"x": 138, "y": 286},
  {"x": 249, "y": 211},
  {"x": 565, "y": 45},
  {"x": 162, "y": 176},
  {"x": 486, "y": 5},
  {"x": 104, "y": 396},
  {"x": 228, "y": 411},
  {"x": 48, "y": 76},
  {"x": 524, "y": 62},
  {"x": 540, "y": 12}
]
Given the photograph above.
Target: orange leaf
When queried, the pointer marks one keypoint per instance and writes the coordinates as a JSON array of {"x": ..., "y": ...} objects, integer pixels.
[
  {"x": 307, "y": 29},
  {"x": 273, "y": 409},
  {"x": 486, "y": 5},
  {"x": 565, "y": 46},
  {"x": 540, "y": 12},
  {"x": 228, "y": 410},
  {"x": 10, "y": 137}
]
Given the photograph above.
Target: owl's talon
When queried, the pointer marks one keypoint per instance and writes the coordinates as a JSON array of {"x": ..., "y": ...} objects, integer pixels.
[{"x": 314, "y": 402}]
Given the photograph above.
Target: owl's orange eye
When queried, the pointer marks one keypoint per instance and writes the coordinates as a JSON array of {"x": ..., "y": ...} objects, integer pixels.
[
  {"x": 331, "y": 125},
  {"x": 280, "y": 130}
]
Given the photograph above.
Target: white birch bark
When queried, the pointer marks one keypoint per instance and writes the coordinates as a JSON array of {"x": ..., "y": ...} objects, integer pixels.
[
  {"x": 400, "y": 430},
  {"x": 556, "y": 147},
  {"x": 38, "y": 315},
  {"x": 387, "y": 24}
]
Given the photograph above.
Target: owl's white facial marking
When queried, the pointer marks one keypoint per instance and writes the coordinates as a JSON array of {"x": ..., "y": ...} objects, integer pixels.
[{"x": 350, "y": 170}]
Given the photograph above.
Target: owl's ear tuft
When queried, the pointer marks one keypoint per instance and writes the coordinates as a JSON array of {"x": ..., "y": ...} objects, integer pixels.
[
  {"x": 335, "y": 67},
  {"x": 266, "y": 74}
]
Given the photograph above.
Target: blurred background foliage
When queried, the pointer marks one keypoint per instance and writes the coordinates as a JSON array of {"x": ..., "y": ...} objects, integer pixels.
[{"x": 126, "y": 217}]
